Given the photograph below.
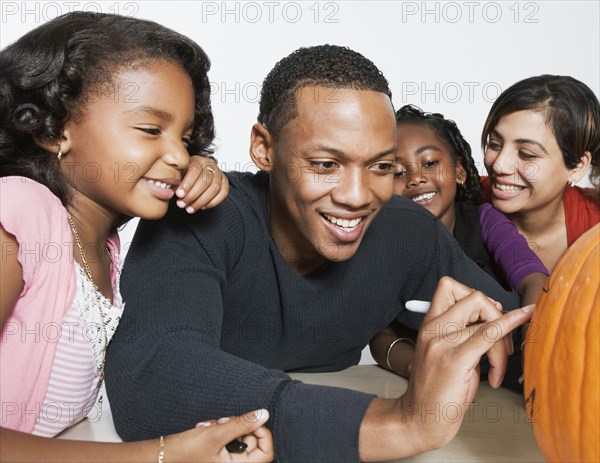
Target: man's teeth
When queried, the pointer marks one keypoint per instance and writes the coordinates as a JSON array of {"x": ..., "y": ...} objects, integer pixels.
[
  {"x": 159, "y": 184},
  {"x": 343, "y": 223},
  {"x": 424, "y": 197},
  {"x": 510, "y": 188}
]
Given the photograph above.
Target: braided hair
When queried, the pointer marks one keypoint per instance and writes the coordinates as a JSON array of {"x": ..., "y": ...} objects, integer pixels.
[{"x": 449, "y": 134}]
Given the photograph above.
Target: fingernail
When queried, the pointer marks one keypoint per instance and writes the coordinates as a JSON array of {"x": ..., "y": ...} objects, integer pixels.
[
  {"x": 262, "y": 414},
  {"x": 223, "y": 420},
  {"x": 528, "y": 308},
  {"x": 204, "y": 424},
  {"x": 181, "y": 192},
  {"x": 181, "y": 204},
  {"x": 190, "y": 210}
]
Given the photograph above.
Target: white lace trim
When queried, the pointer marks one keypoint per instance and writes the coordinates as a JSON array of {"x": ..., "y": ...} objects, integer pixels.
[{"x": 87, "y": 299}]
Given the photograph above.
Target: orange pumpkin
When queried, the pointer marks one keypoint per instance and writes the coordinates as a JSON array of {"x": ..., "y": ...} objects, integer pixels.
[{"x": 562, "y": 361}]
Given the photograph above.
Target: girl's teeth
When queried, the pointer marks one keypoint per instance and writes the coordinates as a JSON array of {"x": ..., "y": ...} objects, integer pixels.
[
  {"x": 424, "y": 197},
  {"x": 510, "y": 188},
  {"x": 159, "y": 184}
]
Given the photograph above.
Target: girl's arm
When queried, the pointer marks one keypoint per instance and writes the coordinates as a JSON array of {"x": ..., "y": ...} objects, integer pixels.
[
  {"x": 204, "y": 443},
  {"x": 203, "y": 186},
  {"x": 17, "y": 446},
  {"x": 394, "y": 349}
]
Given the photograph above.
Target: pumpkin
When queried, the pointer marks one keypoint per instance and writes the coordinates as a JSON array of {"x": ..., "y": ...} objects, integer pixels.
[{"x": 562, "y": 361}]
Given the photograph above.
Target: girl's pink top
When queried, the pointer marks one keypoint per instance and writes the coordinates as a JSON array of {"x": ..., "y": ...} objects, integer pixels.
[{"x": 29, "y": 338}]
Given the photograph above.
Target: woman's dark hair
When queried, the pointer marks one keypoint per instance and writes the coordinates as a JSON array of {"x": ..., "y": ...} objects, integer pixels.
[
  {"x": 47, "y": 76},
  {"x": 447, "y": 131},
  {"x": 329, "y": 66},
  {"x": 571, "y": 111}
]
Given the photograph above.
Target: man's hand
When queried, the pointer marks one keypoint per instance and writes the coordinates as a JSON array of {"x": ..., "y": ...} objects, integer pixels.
[{"x": 461, "y": 326}]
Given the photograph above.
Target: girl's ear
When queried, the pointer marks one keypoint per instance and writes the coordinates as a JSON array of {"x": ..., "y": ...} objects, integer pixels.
[
  {"x": 581, "y": 169},
  {"x": 63, "y": 144},
  {"x": 261, "y": 147},
  {"x": 461, "y": 174}
]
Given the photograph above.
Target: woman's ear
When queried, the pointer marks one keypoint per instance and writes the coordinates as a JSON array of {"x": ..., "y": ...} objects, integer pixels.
[
  {"x": 261, "y": 147},
  {"x": 581, "y": 169}
]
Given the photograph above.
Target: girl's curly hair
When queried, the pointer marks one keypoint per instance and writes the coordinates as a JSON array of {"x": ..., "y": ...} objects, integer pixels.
[{"x": 47, "y": 76}]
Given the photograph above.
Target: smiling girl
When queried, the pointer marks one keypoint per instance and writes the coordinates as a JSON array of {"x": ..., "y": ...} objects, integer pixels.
[
  {"x": 435, "y": 169},
  {"x": 99, "y": 115}
]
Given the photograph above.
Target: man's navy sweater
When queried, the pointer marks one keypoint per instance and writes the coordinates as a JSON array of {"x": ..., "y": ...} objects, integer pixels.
[{"x": 214, "y": 316}]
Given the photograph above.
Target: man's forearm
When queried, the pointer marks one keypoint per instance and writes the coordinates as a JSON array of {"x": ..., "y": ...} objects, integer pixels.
[{"x": 382, "y": 435}]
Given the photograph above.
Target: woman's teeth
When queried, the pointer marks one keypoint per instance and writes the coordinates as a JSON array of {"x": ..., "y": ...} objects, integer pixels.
[
  {"x": 509, "y": 188},
  {"x": 346, "y": 224}
]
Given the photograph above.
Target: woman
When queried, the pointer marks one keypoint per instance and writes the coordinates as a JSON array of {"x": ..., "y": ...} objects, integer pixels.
[{"x": 540, "y": 139}]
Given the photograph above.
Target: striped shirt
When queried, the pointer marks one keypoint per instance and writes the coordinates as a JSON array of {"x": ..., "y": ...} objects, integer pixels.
[{"x": 75, "y": 376}]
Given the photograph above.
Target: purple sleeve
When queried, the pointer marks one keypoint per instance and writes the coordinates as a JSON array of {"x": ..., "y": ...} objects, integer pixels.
[{"x": 509, "y": 248}]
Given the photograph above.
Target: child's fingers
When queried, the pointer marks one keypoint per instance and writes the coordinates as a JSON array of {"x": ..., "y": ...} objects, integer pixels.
[
  {"x": 194, "y": 184},
  {"x": 261, "y": 450},
  {"x": 214, "y": 194},
  {"x": 220, "y": 196},
  {"x": 239, "y": 426},
  {"x": 194, "y": 173},
  {"x": 206, "y": 424},
  {"x": 251, "y": 441}
]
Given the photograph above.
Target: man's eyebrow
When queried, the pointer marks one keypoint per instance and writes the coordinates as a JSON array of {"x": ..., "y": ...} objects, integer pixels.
[
  {"x": 150, "y": 111},
  {"x": 341, "y": 154}
]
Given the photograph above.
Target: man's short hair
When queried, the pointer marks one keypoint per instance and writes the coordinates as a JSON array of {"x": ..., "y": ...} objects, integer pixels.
[{"x": 328, "y": 66}]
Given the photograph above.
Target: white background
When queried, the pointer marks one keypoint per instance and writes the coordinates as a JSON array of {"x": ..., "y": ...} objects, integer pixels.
[{"x": 448, "y": 57}]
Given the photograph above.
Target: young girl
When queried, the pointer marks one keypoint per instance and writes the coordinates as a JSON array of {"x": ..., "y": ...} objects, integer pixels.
[
  {"x": 540, "y": 138},
  {"x": 99, "y": 114},
  {"x": 436, "y": 170}
]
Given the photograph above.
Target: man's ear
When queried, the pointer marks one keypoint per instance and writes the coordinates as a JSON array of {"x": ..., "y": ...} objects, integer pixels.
[
  {"x": 261, "y": 147},
  {"x": 52, "y": 145}
]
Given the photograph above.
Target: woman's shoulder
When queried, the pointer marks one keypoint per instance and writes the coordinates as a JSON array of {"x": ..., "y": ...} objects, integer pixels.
[
  {"x": 582, "y": 210},
  {"x": 583, "y": 198}
]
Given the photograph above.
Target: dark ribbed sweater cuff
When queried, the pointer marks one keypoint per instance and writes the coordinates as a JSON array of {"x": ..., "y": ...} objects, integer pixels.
[{"x": 319, "y": 424}]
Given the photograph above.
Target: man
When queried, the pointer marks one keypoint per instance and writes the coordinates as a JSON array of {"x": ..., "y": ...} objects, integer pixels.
[{"x": 296, "y": 271}]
